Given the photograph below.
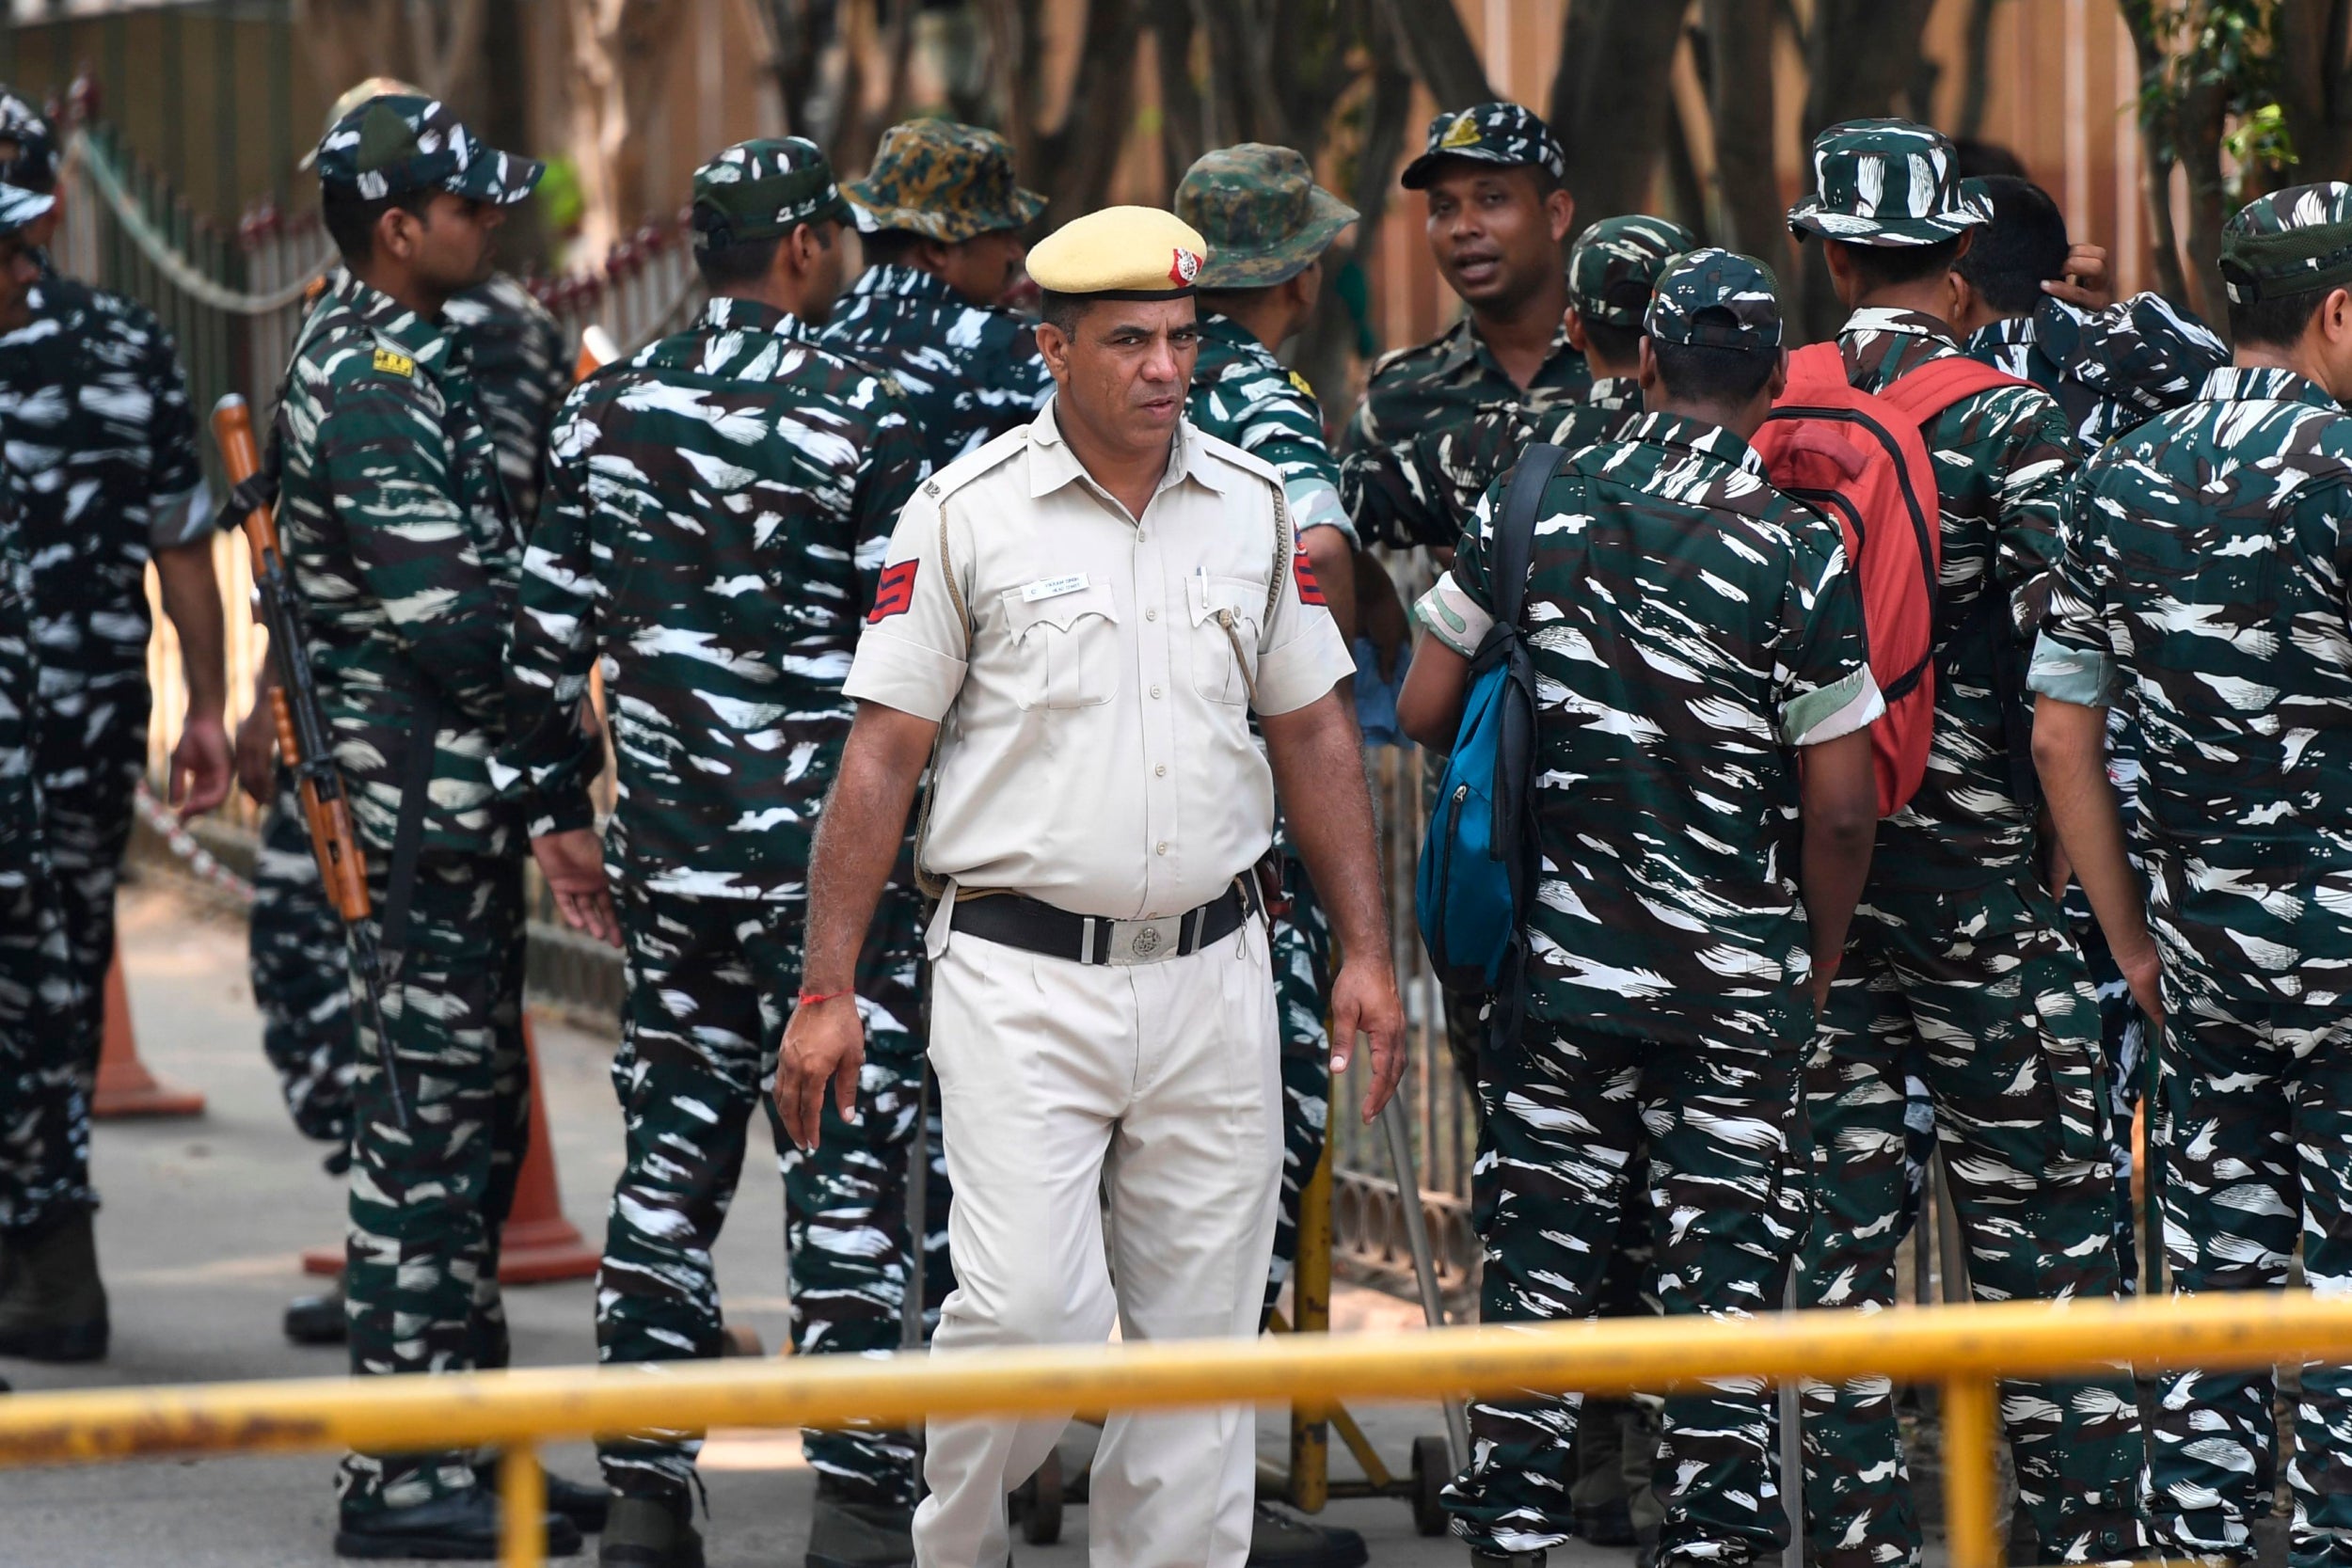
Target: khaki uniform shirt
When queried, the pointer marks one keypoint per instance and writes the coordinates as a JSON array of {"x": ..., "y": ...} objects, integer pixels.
[{"x": 1096, "y": 751}]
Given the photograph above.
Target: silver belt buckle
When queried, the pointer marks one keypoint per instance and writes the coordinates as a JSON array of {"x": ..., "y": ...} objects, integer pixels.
[{"x": 1144, "y": 941}]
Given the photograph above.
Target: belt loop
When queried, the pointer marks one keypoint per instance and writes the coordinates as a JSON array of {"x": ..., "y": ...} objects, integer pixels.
[
  {"x": 1086, "y": 939},
  {"x": 943, "y": 921}
]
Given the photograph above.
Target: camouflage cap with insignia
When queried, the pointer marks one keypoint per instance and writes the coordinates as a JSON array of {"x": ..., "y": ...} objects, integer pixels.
[
  {"x": 949, "y": 182},
  {"x": 2291, "y": 242},
  {"x": 353, "y": 96},
  {"x": 1715, "y": 298},
  {"x": 1885, "y": 182},
  {"x": 394, "y": 144},
  {"x": 1263, "y": 216},
  {"x": 1120, "y": 253},
  {"x": 764, "y": 187},
  {"x": 1614, "y": 264},
  {"x": 29, "y": 145},
  {"x": 1489, "y": 133}
]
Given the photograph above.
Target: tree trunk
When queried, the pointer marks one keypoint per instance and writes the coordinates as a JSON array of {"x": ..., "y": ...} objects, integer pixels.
[
  {"x": 1073, "y": 165},
  {"x": 621, "y": 50},
  {"x": 1859, "y": 53},
  {"x": 1976, "y": 69},
  {"x": 1184, "y": 118},
  {"x": 2314, "y": 83},
  {"x": 1437, "y": 48},
  {"x": 1739, "y": 36},
  {"x": 1610, "y": 99},
  {"x": 1328, "y": 344}
]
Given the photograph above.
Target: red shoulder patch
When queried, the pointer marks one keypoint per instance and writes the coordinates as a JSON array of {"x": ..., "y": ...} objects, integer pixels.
[
  {"x": 895, "y": 594},
  {"x": 1309, "y": 591}
]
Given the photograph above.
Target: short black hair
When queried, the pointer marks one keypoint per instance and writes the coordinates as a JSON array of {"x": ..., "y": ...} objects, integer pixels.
[
  {"x": 2276, "y": 320},
  {"x": 1973, "y": 159},
  {"x": 1619, "y": 345},
  {"x": 2023, "y": 246},
  {"x": 1062, "y": 312},
  {"x": 889, "y": 248},
  {"x": 350, "y": 219},
  {"x": 1700, "y": 372},
  {"x": 749, "y": 261},
  {"x": 1882, "y": 266}
]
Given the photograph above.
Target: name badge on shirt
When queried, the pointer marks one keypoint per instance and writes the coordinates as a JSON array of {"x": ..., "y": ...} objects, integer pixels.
[{"x": 1051, "y": 588}]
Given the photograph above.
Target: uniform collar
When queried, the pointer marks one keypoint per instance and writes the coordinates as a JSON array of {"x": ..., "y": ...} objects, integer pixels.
[
  {"x": 1708, "y": 440},
  {"x": 1464, "y": 346},
  {"x": 2009, "y": 332},
  {"x": 1225, "y": 329},
  {"x": 2236, "y": 383},
  {"x": 907, "y": 283},
  {"x": 1053, "y": 465},
  {"x": 1615, "y": 392},
  {"x": 1916, "y": 323},
  {"x": 423, "y": 339},
  {"x": 725, "y": 314}
]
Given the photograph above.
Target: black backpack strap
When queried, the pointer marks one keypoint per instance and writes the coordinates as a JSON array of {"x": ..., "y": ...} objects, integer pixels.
[{"x": 1514, "y": 551}]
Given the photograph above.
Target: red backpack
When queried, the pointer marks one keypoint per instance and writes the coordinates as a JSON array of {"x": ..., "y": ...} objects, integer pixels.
[{"x": 1860, "y": 457}]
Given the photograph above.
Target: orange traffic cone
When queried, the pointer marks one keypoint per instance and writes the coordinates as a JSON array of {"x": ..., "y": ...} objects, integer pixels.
[{"x": 125, "y": 1088}]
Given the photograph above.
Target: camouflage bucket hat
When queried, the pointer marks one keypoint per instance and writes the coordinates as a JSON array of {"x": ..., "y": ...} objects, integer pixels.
[
  {"x": 1885, "y": 182},
  {"x": 2291, "y": 242},
  {"x": 1715, "y": 298},
  {"x": 28, "y": 147},
  {"x": 758, "y": 189},
  {"x": 19, "y": 207},
  {"x": 356, "y": 95},
  {"x": 1263, "y": 216},
  {"x": 1487, "y": 133},
  {"x": 1615, "y": 263},
  {"x": 397, "y": 143},
  {"x": 949, "y": 182}
]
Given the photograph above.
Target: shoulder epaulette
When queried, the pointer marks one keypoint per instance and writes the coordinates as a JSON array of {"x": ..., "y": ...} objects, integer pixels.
[{"x": 972, "y": 465}]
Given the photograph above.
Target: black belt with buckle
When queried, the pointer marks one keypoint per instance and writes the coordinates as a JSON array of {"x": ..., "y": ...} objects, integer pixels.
[{"x": 1019, "y": 921}]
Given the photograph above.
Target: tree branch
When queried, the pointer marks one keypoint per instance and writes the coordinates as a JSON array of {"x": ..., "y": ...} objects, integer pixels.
[{"x": 1437, "y": 48}]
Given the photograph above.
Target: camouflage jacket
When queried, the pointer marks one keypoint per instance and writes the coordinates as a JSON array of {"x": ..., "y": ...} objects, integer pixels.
[
  {"x": 2203, "y": 592},
  {"x": 2109, "y": 369},
  {"x": 521, "y": 369},
  {"x": 23, "y": 847},
  {"x": 1241, "y": 394},
  {"x": 1692, "y": 626},
  {"x": 970, "y": 372},
  {"x": 1497, "y": 437},
  {"x": 405, "y": 553},
  {"x": 102, "y": 442},
  {"x": 717, "y": 510},
  {"x": 1408, "y": 471},
  {"x": 2002, "y": 460}
]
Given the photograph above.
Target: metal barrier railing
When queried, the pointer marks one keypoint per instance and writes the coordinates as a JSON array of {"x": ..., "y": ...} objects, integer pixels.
[{"x": 1965, "y": 1350}]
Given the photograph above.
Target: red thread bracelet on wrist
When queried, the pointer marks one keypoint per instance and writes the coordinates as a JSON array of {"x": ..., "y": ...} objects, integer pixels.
[{"x": 810, "y": 998}]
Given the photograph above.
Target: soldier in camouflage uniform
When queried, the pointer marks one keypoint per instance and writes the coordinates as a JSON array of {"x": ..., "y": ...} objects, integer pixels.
[
  {"x": 53, "y": 1308},
  {"x": 940, "y": 220},
  {"x": 1960, "y": 963},
  {"x": 717, "y": 507},
  {"x": 404, "y": 554},
  {"x": 1667, "y": 749},
  {"x": 2203, "y": 595}
]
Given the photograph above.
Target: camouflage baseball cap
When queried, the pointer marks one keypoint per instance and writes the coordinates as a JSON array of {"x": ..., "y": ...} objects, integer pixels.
[
  {"x": 397, "y": 143},
  {"x": 1715, "y": 298},
  {"x": 29, "y": 145},
  {"x": 1487, "y": 133},
  {"x": 1263, "y": 216},
  {"x": 1885, "y": 182},
  {"x": 943, "y": 179},
  {"x": 1615, "y": 263},
  {"x": 356, "y": 94},
  {"x": 19, "y": 207},
  {"x": 2291, "y": 242},
  {"x": 758, "y": 189}
]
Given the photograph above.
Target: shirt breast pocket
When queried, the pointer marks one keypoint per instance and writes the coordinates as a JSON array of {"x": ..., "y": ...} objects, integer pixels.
[
  {"x": 1066, "y": 647},
  {"x": 1226, "y": 615}
]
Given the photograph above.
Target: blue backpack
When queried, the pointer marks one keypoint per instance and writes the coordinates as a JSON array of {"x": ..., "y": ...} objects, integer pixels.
[{"x": 1478, "y": 860}]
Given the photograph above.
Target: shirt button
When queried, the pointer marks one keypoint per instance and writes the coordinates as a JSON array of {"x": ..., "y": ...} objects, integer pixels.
[
  {"x": 1141, "y": 537},
  {"x": 1161, "y": 850},
  {"x": 1155, "y": 691},
  {"x": 1151, "y": 614},
  {"x": 1161, "y": 772}
]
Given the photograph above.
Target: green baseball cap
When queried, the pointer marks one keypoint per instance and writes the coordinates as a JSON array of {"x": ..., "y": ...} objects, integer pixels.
[
  {"x": 946, "y": 181},
  {"x": 397, "y": 143},
  {"x": 1885, "y": 182},
  {"x": 1715, "y": 298},
  {"x": 2291, "y": 242},
  {"x": 1614, "y": 265},
  {"x": 1510, "y": 134},
  {"x": 764, "y": 187},
  {"x": 1263, "y": 216},
  {"x": 29, "y": 144}
]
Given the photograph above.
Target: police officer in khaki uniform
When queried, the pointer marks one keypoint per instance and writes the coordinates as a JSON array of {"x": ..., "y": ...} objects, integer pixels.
[{"x": 1084, "y": 613}]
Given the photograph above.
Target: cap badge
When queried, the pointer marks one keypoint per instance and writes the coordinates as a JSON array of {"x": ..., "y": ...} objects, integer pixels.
[
  {"x": 1185, "y": 268},
  {"x": 1462, "y": 132}
]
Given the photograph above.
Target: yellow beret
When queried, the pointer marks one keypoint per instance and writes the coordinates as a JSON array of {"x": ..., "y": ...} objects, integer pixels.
[{"x": 1120, "y": 253}]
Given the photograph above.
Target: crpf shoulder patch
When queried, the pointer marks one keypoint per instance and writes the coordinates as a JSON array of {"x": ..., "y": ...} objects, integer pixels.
[
  {"x": 1309, "y": 591},
  {"x": 1299, "y": 382},
  {"x": 394, "y": 363},
  {"x": 895, "y": 594}
]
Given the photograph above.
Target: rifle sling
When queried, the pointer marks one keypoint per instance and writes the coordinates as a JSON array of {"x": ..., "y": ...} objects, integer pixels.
[{"x": 416, "y": 784}]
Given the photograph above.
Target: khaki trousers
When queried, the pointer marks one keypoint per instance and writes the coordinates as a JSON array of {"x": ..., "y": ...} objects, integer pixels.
[{"x": 1069, "y": 1089}]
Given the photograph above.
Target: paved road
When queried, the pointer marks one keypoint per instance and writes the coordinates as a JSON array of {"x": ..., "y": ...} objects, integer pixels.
[{"x": 200, "y": 1235}]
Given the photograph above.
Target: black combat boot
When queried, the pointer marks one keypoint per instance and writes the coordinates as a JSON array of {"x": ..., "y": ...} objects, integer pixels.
[
  {"x": 53, "y": 1306},
  {"x": 1280, "y": 1540},
  {"x": 460, "y": 1528},
  {"x": 318, "y": 1320},
  {"x": 847, "y": 1533},
  {"x": 650, "y": 1532},
  {"x": 584, "y": 1506}
]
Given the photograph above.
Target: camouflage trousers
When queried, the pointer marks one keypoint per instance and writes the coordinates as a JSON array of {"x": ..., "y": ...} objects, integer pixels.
[
  {"x": 709, "y": 981},
  {"x": 2254, "y": 1143},
  {"x": 45, "y": 1111},
  {"x": 1301, "y": 949},
  {"x": 421, "y": 1265},
  {"x": 1984, "y": 993},
  {"x": 1723, "y": 1205},
  {"x": 299, "y": 965},
  {"x": 86, "y": 822}
]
